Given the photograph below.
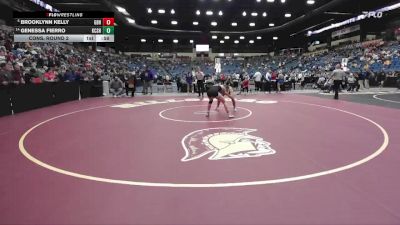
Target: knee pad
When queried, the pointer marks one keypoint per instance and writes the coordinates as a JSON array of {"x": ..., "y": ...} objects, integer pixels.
[{"x": 210, "y": 102}]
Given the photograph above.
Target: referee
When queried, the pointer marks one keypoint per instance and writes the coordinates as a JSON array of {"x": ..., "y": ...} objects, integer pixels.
[
  {"x": 200, "y": 81},
  {"x": 337, "y": 76}
]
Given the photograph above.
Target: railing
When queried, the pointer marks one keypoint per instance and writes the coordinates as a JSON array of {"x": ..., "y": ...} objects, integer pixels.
[{"x": 16, "y": 99}]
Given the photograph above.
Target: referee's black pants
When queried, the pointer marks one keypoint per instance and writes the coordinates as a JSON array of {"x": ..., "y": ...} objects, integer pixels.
[
  {"x": 336, "y": 86},
  {"x": 200, "y": 87}
]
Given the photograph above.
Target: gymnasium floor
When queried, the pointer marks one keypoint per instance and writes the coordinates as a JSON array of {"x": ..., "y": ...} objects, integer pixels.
[
  {"x": 385, "y": 99},
  {"x": 284, "y": 159}
]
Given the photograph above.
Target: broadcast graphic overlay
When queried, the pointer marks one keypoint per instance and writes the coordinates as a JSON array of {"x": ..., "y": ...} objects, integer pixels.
[{"x": 64, "y": 26}]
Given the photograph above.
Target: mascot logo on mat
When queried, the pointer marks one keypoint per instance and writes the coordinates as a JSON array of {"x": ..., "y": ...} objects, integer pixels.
[{"x": 224, "y": 143}]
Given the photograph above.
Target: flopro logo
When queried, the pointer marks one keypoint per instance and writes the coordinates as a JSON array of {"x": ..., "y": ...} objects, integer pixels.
[
  {"x": 224, "y": 143},
  {"x": 373, "y": 14}
]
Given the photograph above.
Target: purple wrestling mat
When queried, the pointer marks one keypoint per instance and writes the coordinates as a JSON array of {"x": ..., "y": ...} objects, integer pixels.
[{"x": 283, "y": 159}]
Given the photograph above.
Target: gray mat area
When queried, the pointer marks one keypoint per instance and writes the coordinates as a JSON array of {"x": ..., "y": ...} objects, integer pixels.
[{"x": 390, "y": 100}]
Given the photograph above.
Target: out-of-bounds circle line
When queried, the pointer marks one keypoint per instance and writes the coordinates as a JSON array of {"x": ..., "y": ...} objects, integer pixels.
[
  {"x": 161, "y": 114},
  {"x": 376, "y": 153},
  {"x": 386, "y": 100}
]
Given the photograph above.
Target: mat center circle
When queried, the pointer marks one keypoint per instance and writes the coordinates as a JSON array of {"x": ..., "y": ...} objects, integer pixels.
[{"x": 198, "y": 114}]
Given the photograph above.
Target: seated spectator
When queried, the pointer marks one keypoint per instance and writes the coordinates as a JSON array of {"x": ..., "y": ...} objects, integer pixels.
[
  {"x": 36, "y": 77},
  {"x": 321, "y": 82},
  {"x": 50, "y": 76},
  {"x": 105, "y": 76},
  {"x": 381, "y": 78},
  {"x": 69, "y": 76},
  {"x": 351, "y": 80},
  {"x": 10, "y": 57},
  {"x": 39, "y": 61},
  {"x": 16, "y": 75},
  {"x": 28, "y": 76},
  {"x": 5, "y": 75},
  {"x": 96, "y": 76},
  {"x": 79, "y": 75},
  {"x": 328, "y": 86},
  {"x": 116, "y": 87},
  {"x": 167, "y": 79},
  {"x": 3, "y": 53},
  {"x": 60, "y": 74}
]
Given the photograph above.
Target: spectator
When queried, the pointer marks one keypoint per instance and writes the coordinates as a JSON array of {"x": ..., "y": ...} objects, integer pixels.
[
  {"x": 143, "y": 79},
  {"x": 367, "y": 76},
  {"x": 28, "y": 76},
  {"x": 381, "y": 78},
  {"x": 16, "y": 75},
  {"x": 189, "y": 82},
  {"x": 321, "y": 82},
  {"x": 268, "y": 81},
  {"x": 274, "y": 80},
  {"x": 5, "y": 75},
  {"x": 236, "y": 78},
  {"x": 149, "y": 78},
  {"x": 352, "y": 83},
  {"x": 361, "y": 79},
  {"x": 40, "y": 62},
  {"x": 301, "y": 79},
  {"x": 130, "y": 85},
  {"x": 357, "y": 77},
  {"x": 245, "y": 85},
  {"x": 36, "y": 77},
  {"x": 222, "y": 78},
  {"x": 200, "y": 81},
  {"x": 257, "y": 80},
  {"x": 243, "y": 76},
  {"x": 116, "y": 87},
  {"x": 80, "y": 76},
  {"x": 293, "y": 80},
  {"x": 50, "y": 76},
  {"x": 105, "y": 76},
  {"x": 280, "y": 81},
  {"x": 179, "y": 83},
  {"x": 69, "y": 76},
  {"x": 167, "y": 79}
]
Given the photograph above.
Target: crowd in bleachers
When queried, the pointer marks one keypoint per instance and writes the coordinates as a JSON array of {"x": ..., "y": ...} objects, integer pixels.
[
  {"x": 33, "y": 63},
  {"x": 367, "y": 63}
]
